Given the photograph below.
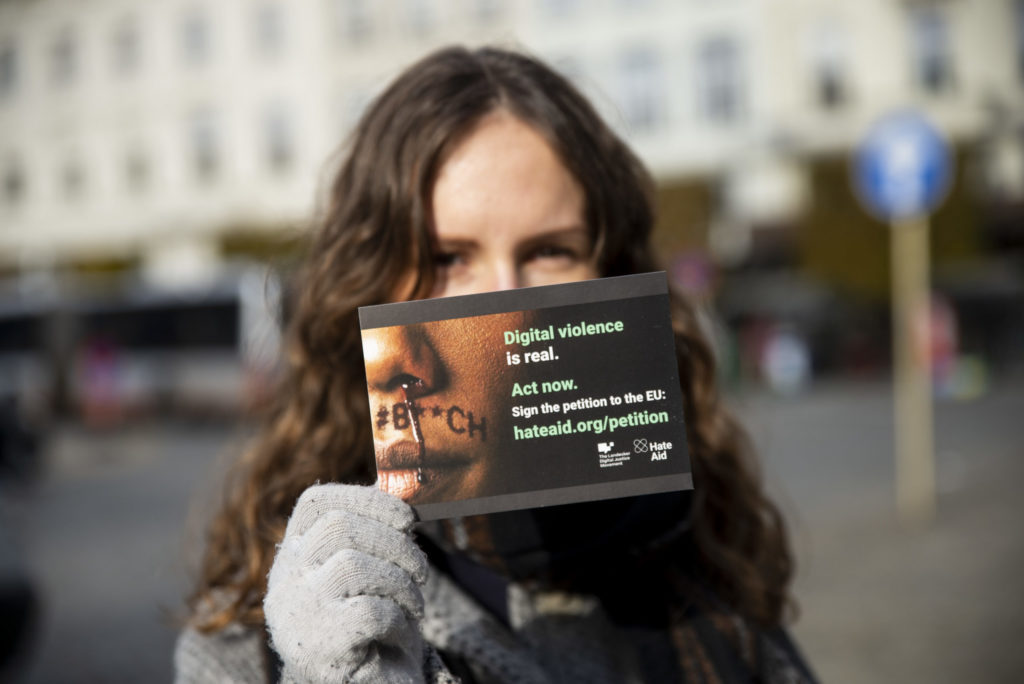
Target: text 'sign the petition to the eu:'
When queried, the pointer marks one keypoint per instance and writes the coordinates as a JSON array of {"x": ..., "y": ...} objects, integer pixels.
[{"x": 563, "y": 406}]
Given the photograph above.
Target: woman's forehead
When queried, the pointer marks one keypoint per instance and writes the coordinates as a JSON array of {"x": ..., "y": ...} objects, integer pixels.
[{"x": 504, "y": 176}]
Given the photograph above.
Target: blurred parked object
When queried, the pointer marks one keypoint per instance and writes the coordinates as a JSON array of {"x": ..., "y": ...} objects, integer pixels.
[
  {"x": 693, "y": 273},
  {"x": 132, "y": 349},
  {"x": 100, "y": 383},
  {"x": 788, "y": 327},
  {"x": 787, "y": 361},
  {"x": 19, "y": 608},
  {"x": 20, "y": 443},
  {"x": 943, "y": 344}
]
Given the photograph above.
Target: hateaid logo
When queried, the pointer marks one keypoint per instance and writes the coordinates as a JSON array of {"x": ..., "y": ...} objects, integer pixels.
[{"x": 658, "y": 450}]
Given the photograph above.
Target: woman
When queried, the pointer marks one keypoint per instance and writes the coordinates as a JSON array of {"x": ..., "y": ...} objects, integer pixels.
[{"x": 477, "y": 171}]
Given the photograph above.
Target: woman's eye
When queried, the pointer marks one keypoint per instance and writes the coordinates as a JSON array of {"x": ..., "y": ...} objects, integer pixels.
[
  {"x": 448, "y": 259},
  {"x": 554, "y": 252}
]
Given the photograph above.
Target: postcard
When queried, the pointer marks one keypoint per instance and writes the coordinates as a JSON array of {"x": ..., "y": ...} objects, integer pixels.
[{"x": 525, "y": 398}]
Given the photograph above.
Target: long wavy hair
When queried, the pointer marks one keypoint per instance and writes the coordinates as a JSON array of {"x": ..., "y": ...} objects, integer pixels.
[{"x": 374, "y": 231}]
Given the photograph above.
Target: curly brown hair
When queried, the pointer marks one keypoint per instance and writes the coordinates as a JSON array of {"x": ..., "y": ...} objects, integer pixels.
[{"x": 374, "y": 232}]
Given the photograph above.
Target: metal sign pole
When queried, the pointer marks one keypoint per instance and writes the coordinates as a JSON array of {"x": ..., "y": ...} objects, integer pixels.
[
  {"x": 915, "y": 461},
  {"x": 902, "y": 171}
]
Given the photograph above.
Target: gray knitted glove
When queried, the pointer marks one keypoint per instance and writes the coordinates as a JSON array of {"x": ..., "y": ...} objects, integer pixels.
[{"x": 343, "y": 599}]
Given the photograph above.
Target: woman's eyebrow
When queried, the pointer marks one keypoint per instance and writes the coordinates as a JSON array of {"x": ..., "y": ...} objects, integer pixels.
[
  {"x": 456, "y": 243},
  {"x": 566, "y": 235}
]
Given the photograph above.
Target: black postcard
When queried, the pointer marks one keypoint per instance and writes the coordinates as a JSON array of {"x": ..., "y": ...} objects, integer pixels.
[{"x": 526, "y": 398}]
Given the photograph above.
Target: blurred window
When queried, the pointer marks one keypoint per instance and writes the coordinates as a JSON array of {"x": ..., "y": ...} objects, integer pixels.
[
  {"x": 13, "y": 182},
  {"x": 487, "y": 11},
  {"x": 643, "y": 90},
  {"x": 355, "y": 21},
  {"x": 126, "y": 47},
  {"x": 828, "y": 54},
  {"x": 195, "y": 37},
  {"x": 204, "y": 146},
  {"x": 559, "y": 8},
  {"x": 278, "y": 141},
  {"x": 136, "y": 171},
  {"x": 720, "y": 78},
  {"x": 831, "y": 88},
  {"x": 270, "y": 29},
  {"x": 63, "y": 58},
  {"x": 420, "y": 16},
  {"x": 72, "y": 179},
  {"x": 8, "y": 69},
  {"x": 932, "y": 49}
]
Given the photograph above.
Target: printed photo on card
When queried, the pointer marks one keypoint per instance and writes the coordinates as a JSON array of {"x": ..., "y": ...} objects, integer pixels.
[{"x": 525, "y": 398}]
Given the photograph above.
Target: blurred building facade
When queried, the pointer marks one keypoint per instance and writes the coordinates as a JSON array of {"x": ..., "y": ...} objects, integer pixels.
[{"x": 162, "y": 141}]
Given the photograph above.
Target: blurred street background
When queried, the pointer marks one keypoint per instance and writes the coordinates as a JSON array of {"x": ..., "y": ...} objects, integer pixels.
[
  {"x": 161, "y": 161},
  {"x": 104, "y": 538}
]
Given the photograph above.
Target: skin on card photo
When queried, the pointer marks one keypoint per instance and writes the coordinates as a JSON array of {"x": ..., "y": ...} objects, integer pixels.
[{"x": 435, "y": 408}]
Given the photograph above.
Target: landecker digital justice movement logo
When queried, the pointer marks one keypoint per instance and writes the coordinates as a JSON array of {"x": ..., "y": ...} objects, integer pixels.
[{"x": 606, "y": 458}]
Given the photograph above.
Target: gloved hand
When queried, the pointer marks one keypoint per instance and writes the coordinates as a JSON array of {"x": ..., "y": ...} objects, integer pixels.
[{"x": 343, "y": 600}]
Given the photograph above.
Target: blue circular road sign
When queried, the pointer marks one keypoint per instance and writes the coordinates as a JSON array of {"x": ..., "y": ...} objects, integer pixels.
[{"x": 903, "y": 167}]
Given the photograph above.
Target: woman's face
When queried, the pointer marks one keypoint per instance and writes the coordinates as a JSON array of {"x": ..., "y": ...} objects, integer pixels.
[{"x": 506, "y": 214}]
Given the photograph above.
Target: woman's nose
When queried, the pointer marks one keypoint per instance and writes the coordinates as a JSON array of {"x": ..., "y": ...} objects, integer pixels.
[
  {"x": 401, "y": 355},
  {"x": 502, "y": 276}
]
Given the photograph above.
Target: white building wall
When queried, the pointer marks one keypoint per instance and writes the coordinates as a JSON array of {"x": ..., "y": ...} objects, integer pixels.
[
  {"x": 597, "y": 38},
  {"x": 325, "y": 73},
  {"x": 102, "y": 116},
  {"x": 880, "y": 67}
]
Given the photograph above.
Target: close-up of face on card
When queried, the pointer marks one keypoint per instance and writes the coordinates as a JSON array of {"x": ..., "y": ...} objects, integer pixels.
[{"x": 436, "y": 405}]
